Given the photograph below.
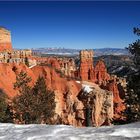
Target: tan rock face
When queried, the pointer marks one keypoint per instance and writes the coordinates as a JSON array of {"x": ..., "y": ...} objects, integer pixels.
[
  {"x": 100, "y": 103},
  {"x": 67, "y": 67},
  {"x": 5, "y": 40},
  {"x": 72, "y": 108}
]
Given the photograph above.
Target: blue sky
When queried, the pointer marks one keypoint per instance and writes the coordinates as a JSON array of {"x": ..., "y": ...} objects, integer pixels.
[{"x": 81, "y": 25}]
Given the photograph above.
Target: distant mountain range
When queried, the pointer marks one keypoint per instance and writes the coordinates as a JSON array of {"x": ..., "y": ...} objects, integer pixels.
[
  {"x": 110, "y": 51},
  {"x": 65, "y": 51}
]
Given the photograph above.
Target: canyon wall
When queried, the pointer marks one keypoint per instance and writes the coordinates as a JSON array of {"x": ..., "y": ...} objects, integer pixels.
[{"x": 70, "y": 95}]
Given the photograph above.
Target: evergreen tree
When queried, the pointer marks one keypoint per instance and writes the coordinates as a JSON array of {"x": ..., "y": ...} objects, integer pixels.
[
  {"x": 26, "y": 61},
  {"x": 44, "y": 101},
  {"x": 23, "y": 106},
  {"x": 5, "y": 113},
  {"x": 33, "y": 105},
  {"x": 133, "y": 87},
  {"x": 22, "y": 81},
  {"x": 21, "y": 103}
]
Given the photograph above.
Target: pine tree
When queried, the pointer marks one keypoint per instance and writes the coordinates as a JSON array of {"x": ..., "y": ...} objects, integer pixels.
[
  {"x": 5, "y": 113},
  {"x": 21, "y": 103},
  {"x": 44, "y": 101},
  {"x": 22, "y": 81},
  {"x": 33, "y": 105},
  {"x": 27, "y": 61},
  {"x": 133, "y": 87}
]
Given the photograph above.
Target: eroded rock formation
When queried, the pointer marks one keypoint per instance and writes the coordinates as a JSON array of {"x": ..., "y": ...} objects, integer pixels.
[
  {"x": 5, "y": 40},
  {"x": 100, "y": 72},
  {"x": 119, "y": 106},
  {"x": 67, "y": 67},
  {"x": 99, "y": 101},
  {"x": 70, "y": 109},
  {"x": 86, "y": 65},
  {"x": 88, "y": 72},
  {"x": 99, "y": 75}
]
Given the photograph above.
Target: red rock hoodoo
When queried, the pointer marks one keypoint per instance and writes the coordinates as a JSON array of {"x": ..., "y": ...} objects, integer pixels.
[
  {"x": 99, "y": 75},
  {"x": 87, "y": 72},
  {"x": 100, "y": 72},
  {"x": 86, "y": 65}
]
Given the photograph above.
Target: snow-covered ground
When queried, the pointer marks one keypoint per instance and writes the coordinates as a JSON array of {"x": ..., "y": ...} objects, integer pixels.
[{"x": 62, "y": 132}]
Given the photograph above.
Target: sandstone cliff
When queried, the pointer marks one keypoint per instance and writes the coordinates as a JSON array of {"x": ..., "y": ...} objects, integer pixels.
[
  {"x": 99, "y": 101},
  {"x": 5, "y": 40},
  {"x": 69, "y": 107}
]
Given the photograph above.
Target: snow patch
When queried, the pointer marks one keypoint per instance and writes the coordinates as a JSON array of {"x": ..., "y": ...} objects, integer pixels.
[
  {"x": 118, "y": 69},
  {"x": 127, "y": 133},
  {"x": 32, "y": 66},
  {"x": 78, "y": 82},
  {"x": 63, "y": 132},
  {"x": 87, "y": 88}
]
